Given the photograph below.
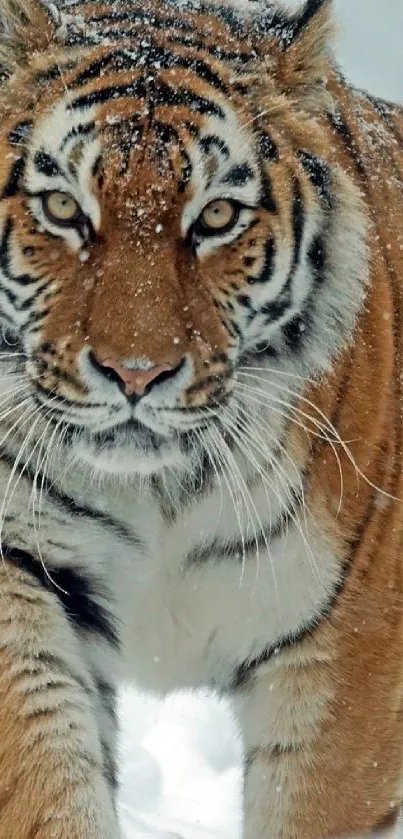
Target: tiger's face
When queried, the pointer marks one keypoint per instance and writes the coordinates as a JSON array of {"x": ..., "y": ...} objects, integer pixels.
[{"x": 157, "y": 236}]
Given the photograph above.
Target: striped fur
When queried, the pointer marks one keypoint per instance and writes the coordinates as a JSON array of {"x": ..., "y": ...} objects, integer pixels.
[{"x": 235, "y": 521}]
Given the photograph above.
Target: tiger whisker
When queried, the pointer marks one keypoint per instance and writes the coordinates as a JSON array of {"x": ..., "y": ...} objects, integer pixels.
[
  {"x": 259, "y": 446},
  {"x": 36, "y": 523},
  {"x": 20, "y": 421},
  {"x": 279, "y": 373},
  {"x": 275, "y": 463},
  {"x": 249, "y": 502},
  {"x": 253, "y": 442},
  {"x": 217, "y": 475},
  {"x": 8, "y": 493},
  {"x": 271, "y": 401},
  {"x": 216, "y": 441}
]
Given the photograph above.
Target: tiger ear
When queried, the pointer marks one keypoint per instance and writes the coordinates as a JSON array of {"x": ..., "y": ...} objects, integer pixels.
[
  {"x": 304, "y": 63},
  {"x": 26, "y": 28}
]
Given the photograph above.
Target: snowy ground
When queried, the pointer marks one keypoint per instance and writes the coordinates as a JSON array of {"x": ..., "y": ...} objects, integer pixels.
[
  {"x": 180, "y": 759},
  {"x": 181, "y": 774}
]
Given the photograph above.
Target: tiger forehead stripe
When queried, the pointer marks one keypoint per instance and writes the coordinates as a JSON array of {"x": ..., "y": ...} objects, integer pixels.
[
  {"x": 159, "y": 94},
  {"x": 151, "y": 55},
  {"x": 211, "y": 29},
  {"x": 148, "y": 54}
]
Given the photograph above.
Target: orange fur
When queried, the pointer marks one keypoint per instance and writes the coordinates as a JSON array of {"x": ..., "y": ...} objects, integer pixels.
[{"x": 37, "y": 798}]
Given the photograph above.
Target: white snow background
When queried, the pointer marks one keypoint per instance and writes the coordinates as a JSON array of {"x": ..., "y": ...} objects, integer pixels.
[{"x": 181, "y": 758}]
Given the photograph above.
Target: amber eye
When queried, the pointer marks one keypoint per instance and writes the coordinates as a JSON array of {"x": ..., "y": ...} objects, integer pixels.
[
  {"x": 218, "y": 217},
  {"x": 60, "y": 208}
]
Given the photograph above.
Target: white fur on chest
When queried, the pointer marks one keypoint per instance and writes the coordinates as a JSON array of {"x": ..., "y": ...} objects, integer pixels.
[{"x": 192, "y": 624}]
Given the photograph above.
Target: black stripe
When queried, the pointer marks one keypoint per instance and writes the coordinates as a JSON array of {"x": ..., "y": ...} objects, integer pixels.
[
  {"x": 298, "y": 222},
  {"x": 215, "y": 52},
  {"x": 245, "y": 301},
  {"x": 211, "y": 142},
  {"x": 247, "y": 670},
  {"x": 238, "y": 175},
  {"x": 34, "y": 321},
  {"x": 20, "y": 306},
  {"x": 275, "y": 751},
  {"x": 302, "y": 18},
  {"x": 21, "y": 279},
  {"x": 46, "y": 164},
  {"x": 276, "y": 308},
  {"x": 83, "y": 511},
  {"x": 268, "y": 148},
  {"x": 74, "y": 509},
  {"x": 136, "y": 89},
  {"x": 150, "y": 56},
  {"x": 297, "y": 331},
  {"x": 281, "y": 749},
  {"x": 216, "y": 379},
  {"x": 134, "y": 17},
  {"x": 10, "y": 296},
  {"x": 164, "y": 94},
  {"x": 119, "y": 60},
  {"x": 81, "y": 130},
  {"x": 159, "y": 94},
  {"x": 342, "y": 130},
  {"x": 317, "y": 259},
  {"x": 55, "y": 71},
  {"x": 73, "y": 589},
  {"x": 268, "y": 264},
  {"x": 219, "y": 551},
  {"x": 110, "y": 766},
  {"x": 19, "y": 132},
  {"x": 319, "y": 174},
  {"x": 107, "y": 695},
  {"x": 267, "y": 200},
  {"x": 77, "y": 38},
  {"x": 16, "y": 173}
]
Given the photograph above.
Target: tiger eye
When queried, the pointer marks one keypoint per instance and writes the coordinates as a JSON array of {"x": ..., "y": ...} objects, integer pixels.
[
  {"x": 218, "y": 215},
  {"x": 61, "y": 208}
]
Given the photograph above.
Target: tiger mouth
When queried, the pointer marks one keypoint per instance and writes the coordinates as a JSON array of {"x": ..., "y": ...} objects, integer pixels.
[{"x": 131, "y": 433}]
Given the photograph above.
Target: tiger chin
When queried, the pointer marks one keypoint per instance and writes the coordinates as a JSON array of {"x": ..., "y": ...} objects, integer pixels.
[{"x": 201, "y": 442}]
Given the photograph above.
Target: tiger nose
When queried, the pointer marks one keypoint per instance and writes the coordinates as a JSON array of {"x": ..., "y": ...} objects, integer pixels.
[{"x": 132, "y": 382}]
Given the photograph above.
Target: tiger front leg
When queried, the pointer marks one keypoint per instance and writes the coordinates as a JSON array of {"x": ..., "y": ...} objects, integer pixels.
[
  {"x": 55, "y": 780},
  {"x": 319, "y": 765}
]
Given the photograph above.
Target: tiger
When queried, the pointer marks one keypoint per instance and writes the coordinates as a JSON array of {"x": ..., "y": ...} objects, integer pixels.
[{"x": 201, "y": 439}]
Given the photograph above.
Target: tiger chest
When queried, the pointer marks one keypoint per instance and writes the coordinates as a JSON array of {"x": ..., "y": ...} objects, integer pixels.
[{"x": 207, "y": 597}]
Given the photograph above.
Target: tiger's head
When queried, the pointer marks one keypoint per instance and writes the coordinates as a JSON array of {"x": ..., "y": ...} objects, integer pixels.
[{"x": 171, "y": 216}]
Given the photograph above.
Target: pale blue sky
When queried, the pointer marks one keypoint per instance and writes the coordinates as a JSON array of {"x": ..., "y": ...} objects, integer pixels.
[
  {"x": 371, "y": 47},
  {"x": 371, "y": 44}
]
